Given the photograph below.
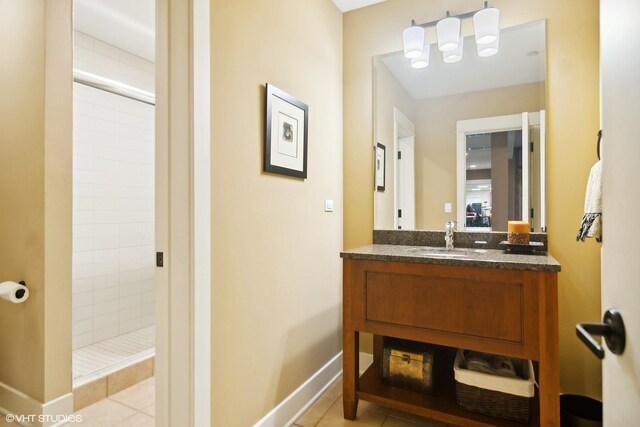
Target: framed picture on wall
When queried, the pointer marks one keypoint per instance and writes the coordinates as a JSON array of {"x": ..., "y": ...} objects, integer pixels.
[
  {"x": 285, "y": 141},
  {"x": 380, "y": 169}
]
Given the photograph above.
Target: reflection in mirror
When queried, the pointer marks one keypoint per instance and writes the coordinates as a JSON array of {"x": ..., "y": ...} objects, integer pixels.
[
  {"x": 491, "y": 150},
  {"x": 493, "y": 177},
  {"x": 425, "y": 116}
]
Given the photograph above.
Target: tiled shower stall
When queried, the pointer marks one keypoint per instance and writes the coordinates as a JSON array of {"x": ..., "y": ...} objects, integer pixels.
[{"x": 113, "y": 211}]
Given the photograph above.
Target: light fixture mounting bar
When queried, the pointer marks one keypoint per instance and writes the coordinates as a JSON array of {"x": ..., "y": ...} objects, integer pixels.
[{"x": 461, "y": 17}]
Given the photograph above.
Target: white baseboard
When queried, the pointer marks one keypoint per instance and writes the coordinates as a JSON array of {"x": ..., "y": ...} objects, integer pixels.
[
  {"x": 291, "y": 408},
  {"x": 58, "y": 408},
  {"x": 30, "y": 412}
]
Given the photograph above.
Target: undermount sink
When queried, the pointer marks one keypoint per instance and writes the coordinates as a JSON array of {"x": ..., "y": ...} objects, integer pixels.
[{"x": 444, "y": 253}]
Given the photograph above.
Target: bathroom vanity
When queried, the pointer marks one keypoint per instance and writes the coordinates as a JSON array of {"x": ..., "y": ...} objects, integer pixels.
[{"x": 483, "y": 300}]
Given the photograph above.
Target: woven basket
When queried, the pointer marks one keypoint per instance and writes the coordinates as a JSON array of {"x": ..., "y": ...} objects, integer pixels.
[
  {"x": 487, "y": 394},
  {"x": 494, "y": 403}
]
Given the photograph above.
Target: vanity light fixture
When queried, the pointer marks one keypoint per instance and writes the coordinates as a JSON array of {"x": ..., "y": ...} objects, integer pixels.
[
  {"x": 487, "y": 35},
  {"x": 413, "y": 40},
  {"x": 422, "y": 61},
  {"x": 448, "y": 30},
  {"x": 486, "y": 25},
  {"x": 488, "y": 49},
  {"x": 454, "y": 55}
]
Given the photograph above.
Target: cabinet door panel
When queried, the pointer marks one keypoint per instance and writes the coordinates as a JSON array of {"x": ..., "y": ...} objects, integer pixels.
[{"x": 466, "y": 306}]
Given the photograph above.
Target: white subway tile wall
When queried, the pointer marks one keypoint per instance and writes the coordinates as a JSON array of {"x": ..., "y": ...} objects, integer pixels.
[{"x": 113, "y": 197}]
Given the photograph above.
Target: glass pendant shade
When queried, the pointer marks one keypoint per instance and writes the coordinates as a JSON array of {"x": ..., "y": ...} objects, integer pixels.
[
  {"x": 422, "y": 61},
  {"x": 488, "y": 49},
  {"x": 448, "y": 31},
  {"x": 486, "y": 25},
  {"x": 452, "y": 56},
  {"x": 413, "y": 40}
]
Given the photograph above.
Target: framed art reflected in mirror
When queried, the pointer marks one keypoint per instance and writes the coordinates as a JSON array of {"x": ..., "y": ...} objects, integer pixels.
[{"x": 380, "y": 169}]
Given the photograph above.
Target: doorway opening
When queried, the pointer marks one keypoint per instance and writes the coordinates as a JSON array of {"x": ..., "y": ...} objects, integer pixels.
[{"x": 113, "y": 283}]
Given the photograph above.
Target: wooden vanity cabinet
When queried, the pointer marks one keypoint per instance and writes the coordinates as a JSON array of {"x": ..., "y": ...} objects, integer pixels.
[{"x": 501, "y": 311}]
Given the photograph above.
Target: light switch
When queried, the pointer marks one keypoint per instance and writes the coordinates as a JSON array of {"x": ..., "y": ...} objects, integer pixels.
[
  {"x": 447, "y": 207},
  {"x": 328, "y": 205}
]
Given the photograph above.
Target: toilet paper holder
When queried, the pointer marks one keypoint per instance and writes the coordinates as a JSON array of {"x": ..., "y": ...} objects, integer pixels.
[
  {"x": 20, "y": 292},
  {"x": 15, "y": 292}
]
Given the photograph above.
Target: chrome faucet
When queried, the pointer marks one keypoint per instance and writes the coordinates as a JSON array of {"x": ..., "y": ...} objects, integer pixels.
[{"x": 449, "y": 228}]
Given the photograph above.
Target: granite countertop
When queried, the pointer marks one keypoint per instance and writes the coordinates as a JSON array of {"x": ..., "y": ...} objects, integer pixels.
[{"x": 467, "y": 257}]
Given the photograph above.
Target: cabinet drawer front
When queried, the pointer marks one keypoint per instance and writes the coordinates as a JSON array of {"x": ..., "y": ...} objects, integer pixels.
[{"x": 472, "y": 307}]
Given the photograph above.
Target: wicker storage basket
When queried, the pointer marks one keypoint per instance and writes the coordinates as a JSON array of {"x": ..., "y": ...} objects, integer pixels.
[{"x": 508, "y": 398}]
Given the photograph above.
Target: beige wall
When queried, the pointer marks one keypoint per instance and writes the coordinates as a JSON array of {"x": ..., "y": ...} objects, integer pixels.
[
  {"x": 389, "y": 95},
  {"x": 35, "y": 194},
  {"x": 277, "y": 275},
  {"x": 572, "y": 117},
  {"x": 436, "y": 142}
]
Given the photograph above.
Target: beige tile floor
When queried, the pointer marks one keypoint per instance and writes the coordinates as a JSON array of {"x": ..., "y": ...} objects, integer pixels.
[
  {"x": 135, "y": 407},
  {"x": 132, "y": 407}
]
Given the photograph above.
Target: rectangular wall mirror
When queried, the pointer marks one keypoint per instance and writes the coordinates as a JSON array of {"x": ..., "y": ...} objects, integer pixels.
[{"x": 464, "y": 140}]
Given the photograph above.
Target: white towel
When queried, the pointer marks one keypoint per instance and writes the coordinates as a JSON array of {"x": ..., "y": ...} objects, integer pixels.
[
  {"x": 490, "y": 364},
  {"x": 591, "y": 225}
]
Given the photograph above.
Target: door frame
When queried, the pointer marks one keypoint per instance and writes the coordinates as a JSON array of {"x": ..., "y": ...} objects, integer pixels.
[
  {"x": 400, "y": 122},
  {"x": 183, "y": 213}
]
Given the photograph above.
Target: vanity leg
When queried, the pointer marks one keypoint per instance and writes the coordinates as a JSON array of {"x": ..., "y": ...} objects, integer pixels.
[
  {"x": 378, "y": 345},
  {"x": 350, "y": 370},
  {"x": 549, "y": 367}
]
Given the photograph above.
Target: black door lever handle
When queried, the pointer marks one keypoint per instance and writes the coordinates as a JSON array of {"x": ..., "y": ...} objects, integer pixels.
[
  {"x": 612, "y": 329},
  {"x": 585, "y": 332}
]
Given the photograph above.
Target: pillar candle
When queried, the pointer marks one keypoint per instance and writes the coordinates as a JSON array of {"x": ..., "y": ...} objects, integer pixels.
[{"x": 518, "y": 232}]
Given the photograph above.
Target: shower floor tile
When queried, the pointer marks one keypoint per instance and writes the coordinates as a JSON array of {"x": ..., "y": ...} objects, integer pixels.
[{"x": 105, "y": 357}]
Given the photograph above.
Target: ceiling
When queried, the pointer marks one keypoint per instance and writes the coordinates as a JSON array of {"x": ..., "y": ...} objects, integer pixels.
[
  {"x": 126, "y": 24},
  {"x": 130, "y": 25},
  {"x": 516, "y": 63},
  {"x": 347, "y": 5},
  {"x": 478, "y": 151}
]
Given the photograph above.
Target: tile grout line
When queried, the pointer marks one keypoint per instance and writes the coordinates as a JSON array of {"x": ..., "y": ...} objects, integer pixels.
[
  {"x": 133, "y": 415},
  {"x": 125, "y": 404}
]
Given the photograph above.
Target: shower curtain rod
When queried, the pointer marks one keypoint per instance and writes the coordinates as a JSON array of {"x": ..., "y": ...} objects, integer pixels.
[{"x": 113, "y": 86}]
